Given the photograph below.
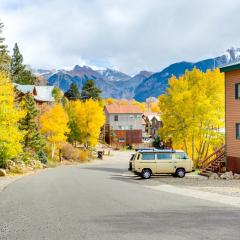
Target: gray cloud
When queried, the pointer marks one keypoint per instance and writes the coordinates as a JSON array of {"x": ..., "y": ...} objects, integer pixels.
[{"x": 129, "y": 34}]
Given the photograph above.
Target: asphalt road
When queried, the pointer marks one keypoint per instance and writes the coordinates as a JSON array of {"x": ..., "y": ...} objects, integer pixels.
[{"x": 98, "y": 201}]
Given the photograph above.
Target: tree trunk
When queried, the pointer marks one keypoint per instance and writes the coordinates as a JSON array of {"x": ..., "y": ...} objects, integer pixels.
[
  {"x": 193, "y": 143},
  {"x": 53, "y": 150},
  {"x": 60, "y": 155}
]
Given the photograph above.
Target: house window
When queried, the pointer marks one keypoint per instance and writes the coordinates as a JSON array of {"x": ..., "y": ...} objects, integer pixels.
[
  {"x": 116, "y": 118},
  {"x": 238, "y": 131},
  {"x": 121, "y": 140},
  {"x": 237, "y": 91}
]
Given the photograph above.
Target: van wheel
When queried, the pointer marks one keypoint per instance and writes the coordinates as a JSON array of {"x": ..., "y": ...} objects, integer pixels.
[
  {"x": 180, "y": 172},
  {"x": 146, "y": 173}
]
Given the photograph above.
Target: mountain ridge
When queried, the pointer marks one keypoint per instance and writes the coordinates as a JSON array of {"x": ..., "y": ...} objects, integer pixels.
[{"x": 116, "y": 84}]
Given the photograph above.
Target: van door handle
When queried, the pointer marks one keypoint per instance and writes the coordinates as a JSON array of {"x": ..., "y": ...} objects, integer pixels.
[{"x": 169, "y": 162}]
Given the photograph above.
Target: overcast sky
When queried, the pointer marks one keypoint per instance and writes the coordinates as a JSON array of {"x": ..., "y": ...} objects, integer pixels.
[{"x": 130, "y": 35}]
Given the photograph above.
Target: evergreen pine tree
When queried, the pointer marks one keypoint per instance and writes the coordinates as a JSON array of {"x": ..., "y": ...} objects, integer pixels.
[
  {"x": 4, "y": 56},
  {"x": 42, "y": 157},
  {"x": 32, "y": 139},
  {"x": 73, "y": 92},
  {"x": 18, "y": 72},
  {"x": 90, "y": 90}
]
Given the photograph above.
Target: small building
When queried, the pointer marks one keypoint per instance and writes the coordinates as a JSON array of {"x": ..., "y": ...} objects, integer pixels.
[
  {"x": 42, "y": 94},
  {"x": 123, "y": 124},
  {"x": 156, "y": 125},
  {"x": 232, "y": 98},
  {"x": 152, "y": 124}
]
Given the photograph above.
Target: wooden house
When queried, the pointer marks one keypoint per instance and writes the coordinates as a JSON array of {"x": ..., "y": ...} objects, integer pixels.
[
  {"x": 123, "y": 124},
  {"x": 42, "y": 94},
  {"x": 232, "y": 98}
]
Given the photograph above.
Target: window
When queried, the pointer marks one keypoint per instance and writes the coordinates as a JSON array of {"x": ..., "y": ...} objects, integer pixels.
[
  {"x": 115, "y": 118},
  {"x": 121, "y": 140},
  {"x": 238, "y": 131},
  {"x": 164, "y": 156},
  {"x": 148, "y": 156},
  {"x": 237, "y": 91},
  {"x": 181, "y": 155},
  {"x": 131, "y": 127}
]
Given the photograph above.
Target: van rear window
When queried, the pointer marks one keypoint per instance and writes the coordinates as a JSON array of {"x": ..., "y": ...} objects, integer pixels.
[
  {"x": 181, "y": 155},
  {"x": 163, "y": 156},
  {"x": 148, "y": 156}
]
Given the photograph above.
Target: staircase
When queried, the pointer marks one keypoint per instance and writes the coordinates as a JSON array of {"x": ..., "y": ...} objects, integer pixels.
[{"x": 214, "y": 163}]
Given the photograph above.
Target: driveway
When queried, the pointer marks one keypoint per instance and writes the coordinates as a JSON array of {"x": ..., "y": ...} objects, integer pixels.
[{"x": 103, "y": 201}]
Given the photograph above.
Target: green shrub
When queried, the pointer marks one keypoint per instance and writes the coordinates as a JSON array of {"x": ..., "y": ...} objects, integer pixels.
[{"x": 42, "y": 157}]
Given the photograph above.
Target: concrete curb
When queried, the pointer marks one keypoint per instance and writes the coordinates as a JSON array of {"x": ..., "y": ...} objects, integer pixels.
[{"x": 186, "y": 192}]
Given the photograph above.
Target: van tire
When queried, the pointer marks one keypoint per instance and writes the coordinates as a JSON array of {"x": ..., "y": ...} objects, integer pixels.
[
  {"x": 180, "y": 172},
  {"x": 146, "y": 173}
]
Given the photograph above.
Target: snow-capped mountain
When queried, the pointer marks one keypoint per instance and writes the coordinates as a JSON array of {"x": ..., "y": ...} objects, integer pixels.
[
  {"x": 232, "y": 55},
  {"x": 145, "y": 84},
  {"x": 114, "y": 75},
  {"x": 157, "y": 83}
]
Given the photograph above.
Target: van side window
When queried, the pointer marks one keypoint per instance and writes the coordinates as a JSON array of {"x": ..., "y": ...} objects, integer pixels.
[
  {"x": 163, "y": 156},
  {"x": 181, "y": 155},
  {"x": 148, "y": 156}
]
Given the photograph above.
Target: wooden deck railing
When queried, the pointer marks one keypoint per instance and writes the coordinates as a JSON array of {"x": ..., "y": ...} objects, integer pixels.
[{"x": 215, "y": 156}]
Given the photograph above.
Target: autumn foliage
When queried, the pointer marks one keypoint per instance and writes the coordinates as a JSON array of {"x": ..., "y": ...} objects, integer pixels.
[
  {"x": 192, "y": 112},
  {"x": 10, "y": 135},
  {"x": 86, "y": 120},
  {"x": 54, "y": 126}
]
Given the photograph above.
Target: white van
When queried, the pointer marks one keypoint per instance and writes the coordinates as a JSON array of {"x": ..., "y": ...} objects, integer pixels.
[{"x": 147, "y": 163}]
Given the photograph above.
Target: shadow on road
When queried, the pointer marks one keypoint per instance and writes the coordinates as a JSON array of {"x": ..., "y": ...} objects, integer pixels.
[
  {"x": 127, "y": 176},
  {"x": 104, "y": 169}
]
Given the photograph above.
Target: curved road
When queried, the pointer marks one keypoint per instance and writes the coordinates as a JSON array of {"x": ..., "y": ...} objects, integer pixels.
[{"x": 99, "y": 201}]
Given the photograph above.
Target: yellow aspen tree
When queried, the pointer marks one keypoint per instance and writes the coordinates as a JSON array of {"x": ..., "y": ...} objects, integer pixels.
[
  {"x": 88, "y": 118},
  {"x": 10, "y": 135},
  {"x": 192, "y": 112},
  {"x": 54, "y": 125}
]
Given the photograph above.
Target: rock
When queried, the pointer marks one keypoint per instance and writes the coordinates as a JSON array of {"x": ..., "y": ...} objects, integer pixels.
[
  {"x": 2, "y": 173},
  {"x": 227, "y": 176},
  {"x": 236, "y": 176},
  {"x": 10, "y": 164},
  {"x": 213, "y": 176}
]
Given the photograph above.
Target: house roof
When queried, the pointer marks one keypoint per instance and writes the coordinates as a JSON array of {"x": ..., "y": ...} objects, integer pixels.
[
  {"x": 157, "y": 117},
  {"x": 24, "y": 88},
  {"x": 44, "y": 93},
  {"x": 230, "y": 67},
  {"x": 123, "y": 108},
  {"x": 151, "y": 116}
]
